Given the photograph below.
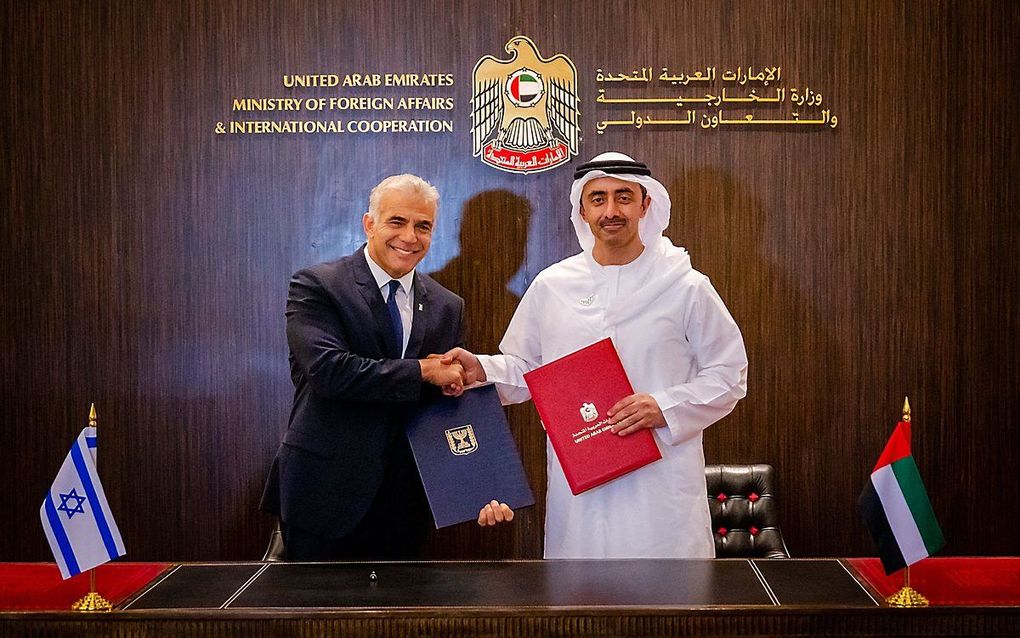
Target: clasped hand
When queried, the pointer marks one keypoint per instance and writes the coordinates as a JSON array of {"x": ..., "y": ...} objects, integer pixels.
[
  {"x": 447, "y": 375},
  {"x": 453, "y": 371}
]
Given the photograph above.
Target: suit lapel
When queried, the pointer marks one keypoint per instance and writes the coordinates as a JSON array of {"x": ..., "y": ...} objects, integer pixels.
[
  {"x": 419, "y": 324},
  {"x": 380, "y": 315}
]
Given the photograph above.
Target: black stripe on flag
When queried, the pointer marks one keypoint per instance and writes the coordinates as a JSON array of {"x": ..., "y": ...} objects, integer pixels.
[{"x": 870, "y": 507}]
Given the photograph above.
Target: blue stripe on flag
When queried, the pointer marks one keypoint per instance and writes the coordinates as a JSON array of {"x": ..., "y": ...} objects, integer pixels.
[
  {"x": 91, "y": 440},
  {"x": 58, "y": 532},
  {"x": 97, "y": 509}
]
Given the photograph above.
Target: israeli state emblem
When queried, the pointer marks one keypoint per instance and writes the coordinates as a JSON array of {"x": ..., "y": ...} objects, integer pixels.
[
  {"x": 524, "y": 115},
  {"x": 462, "y": 440},
  {"x": 588, "y": 412}
]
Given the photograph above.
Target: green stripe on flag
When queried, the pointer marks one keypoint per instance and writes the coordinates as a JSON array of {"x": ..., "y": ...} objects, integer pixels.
[{"x": 912, "y": 487}]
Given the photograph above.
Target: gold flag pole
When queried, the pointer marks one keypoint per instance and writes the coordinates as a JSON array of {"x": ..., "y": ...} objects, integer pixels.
[
  {"x": 93, "y": 601},
  {"x": 907, "y": 596}
]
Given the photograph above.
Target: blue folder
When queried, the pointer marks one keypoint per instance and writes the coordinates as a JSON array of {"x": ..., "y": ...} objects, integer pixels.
[{"x": 466, "y": 456}]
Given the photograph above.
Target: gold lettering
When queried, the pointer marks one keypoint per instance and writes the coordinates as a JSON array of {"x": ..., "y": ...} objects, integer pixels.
[
  {"x": 267, "y": 104},
  {"x": 425, "y": 103},
  {"x": 322, "y": 79},
  {"x": 357, "y": 79},
  {"x": 416, "y": 79},
  {"x": 360, "y": 103}
]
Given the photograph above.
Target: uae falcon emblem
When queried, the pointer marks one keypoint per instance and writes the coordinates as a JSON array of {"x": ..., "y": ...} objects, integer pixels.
[{"x": 524, "y": 116}]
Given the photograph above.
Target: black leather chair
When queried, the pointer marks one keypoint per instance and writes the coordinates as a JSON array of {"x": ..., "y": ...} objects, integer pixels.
[
  {"x": 741, "y": 499},
  {"x": 274, "y": 552}
]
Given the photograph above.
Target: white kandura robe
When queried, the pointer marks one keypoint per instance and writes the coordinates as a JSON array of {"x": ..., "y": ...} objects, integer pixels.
[{"x": 678, "y": 343}]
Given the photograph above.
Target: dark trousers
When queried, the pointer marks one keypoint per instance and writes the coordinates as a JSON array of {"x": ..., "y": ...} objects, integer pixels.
[{"x": 394, "y": 527}]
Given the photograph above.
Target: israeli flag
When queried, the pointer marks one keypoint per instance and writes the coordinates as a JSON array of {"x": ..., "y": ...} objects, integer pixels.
[{"x": 75, "y": 515}]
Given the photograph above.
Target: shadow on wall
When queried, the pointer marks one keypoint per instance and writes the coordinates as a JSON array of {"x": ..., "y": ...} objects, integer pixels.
[{"x": 493, "y": 244}]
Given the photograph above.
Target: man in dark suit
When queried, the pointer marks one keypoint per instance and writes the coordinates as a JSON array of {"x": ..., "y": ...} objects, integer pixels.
[{"x": 344, "y": 483}]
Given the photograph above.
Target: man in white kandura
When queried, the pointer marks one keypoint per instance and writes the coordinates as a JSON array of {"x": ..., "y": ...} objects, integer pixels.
[{"x": 679, "y": 345}]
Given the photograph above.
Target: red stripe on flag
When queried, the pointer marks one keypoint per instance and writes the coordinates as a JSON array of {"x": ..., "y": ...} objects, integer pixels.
[
  {"x": 515, "y": 87},
  {"x": 898, "y": 446}
]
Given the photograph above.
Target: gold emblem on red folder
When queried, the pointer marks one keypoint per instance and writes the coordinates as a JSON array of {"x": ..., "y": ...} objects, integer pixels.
[
  {"x": 462, "y": 440},
  {"x": 588, "y": 412}
]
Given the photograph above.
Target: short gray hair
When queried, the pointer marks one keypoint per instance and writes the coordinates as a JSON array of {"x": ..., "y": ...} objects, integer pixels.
[{"x": 407, "y": 183}]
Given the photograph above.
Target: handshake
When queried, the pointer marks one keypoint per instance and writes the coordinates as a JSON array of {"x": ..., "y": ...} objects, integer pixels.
[{"x": 453, "y": 371}]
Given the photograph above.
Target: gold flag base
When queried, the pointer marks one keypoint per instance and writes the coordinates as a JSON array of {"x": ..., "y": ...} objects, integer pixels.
[
  {"x": 907, "y": 597},
  {"x": 92, "y": 603}
]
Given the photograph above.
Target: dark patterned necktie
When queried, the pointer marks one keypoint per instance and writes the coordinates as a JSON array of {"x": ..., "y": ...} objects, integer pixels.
[{"x": 398, "y": 325}]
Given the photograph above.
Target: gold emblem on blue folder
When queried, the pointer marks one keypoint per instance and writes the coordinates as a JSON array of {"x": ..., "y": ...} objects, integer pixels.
[{"x": 462, "y": 440}]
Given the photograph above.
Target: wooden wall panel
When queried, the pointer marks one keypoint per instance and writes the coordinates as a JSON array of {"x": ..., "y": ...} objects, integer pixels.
[{"x": 145, "y": 259}]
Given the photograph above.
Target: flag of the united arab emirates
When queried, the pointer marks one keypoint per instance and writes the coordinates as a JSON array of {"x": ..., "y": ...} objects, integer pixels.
[
  {"x": 525, "y": 87},
  {"x": 896, "y": 509}
]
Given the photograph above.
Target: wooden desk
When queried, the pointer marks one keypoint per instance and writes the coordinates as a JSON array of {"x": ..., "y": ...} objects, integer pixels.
[{"x": 534, "y": 598}]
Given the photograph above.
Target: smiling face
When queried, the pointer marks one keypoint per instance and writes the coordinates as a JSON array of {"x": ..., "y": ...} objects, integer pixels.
[
  {"x": 612, "y": 208},
  {"x": 399, "y": 238}
]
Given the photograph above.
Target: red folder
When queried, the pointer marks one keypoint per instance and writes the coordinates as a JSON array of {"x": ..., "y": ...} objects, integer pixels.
[{"x": 572, "y": 395}]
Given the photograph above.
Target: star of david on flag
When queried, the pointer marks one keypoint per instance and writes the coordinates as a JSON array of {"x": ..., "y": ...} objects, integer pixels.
[
  {"x": 75, "y": 515},
  {"x": 77, "y": 508}
]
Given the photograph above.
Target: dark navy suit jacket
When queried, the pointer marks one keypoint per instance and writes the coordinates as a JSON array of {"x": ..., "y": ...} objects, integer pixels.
[{"x": 352, "y": 391}]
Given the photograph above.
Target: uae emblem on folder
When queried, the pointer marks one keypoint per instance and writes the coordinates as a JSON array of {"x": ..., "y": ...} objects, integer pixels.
[{"x": 524, "y": 115}]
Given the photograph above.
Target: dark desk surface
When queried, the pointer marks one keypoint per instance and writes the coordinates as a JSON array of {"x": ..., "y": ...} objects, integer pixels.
[{"x": 516, "y": 584}]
